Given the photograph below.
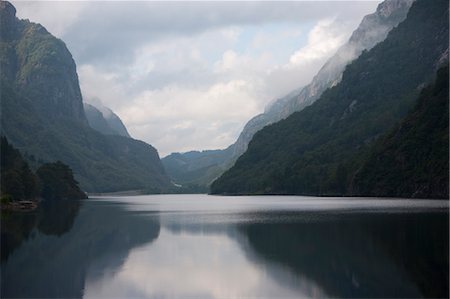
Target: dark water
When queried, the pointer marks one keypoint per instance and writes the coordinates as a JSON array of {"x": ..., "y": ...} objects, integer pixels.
[{"x": 197, "y": 246}]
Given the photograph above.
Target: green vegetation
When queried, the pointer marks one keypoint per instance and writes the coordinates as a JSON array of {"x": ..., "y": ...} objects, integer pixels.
[
  {"x": 43, "y": 116},
  {"x": 313, "y": 152},
  {"x": 412, "y": 159},
  {"x": 101, "y": 163},
  {"x": 57, "y": 182},
  {"x": 52, "y": 180},
  {"x": 195, "y": 170},
  {"x": 17, "y": 180}
]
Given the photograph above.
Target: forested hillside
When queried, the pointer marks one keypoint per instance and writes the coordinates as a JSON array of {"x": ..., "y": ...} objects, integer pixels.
[
  {"x": 311, "y": 151},
  {"x": 412, "y": 159}
]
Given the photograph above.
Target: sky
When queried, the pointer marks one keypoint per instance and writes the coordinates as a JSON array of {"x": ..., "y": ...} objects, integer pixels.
[{"x": 188, "y": 75}]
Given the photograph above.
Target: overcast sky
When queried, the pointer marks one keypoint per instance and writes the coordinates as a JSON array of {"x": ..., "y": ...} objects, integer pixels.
[{"x": 189, "y": 75}]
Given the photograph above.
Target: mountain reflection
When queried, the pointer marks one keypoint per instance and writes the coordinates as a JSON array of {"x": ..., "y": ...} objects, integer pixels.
[
  {"x": 361, "y": 255},
  {"x": 57, "y": 257},
  {"x": 219, "y": 247}
]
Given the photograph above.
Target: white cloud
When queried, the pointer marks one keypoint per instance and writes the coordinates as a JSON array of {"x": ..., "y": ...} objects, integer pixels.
[
  {"x": 189, "y": 75},
  {"x": 323, "y": 40},
  {"x": 198, "y": 92},
  {"x": 57, "y": 19},
  {"x": 180, "y": 116},
  {"x": 95, "y": 83}
]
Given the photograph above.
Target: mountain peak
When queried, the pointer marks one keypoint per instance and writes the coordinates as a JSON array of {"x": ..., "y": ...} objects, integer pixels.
[
  {"x": 7, "y": 10},
  {"x": 388, "y": 7},
  {"x": 7, "y": 21}
]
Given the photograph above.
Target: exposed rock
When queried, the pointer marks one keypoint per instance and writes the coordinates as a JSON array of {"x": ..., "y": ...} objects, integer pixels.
[{"x": 43, "y": 114}]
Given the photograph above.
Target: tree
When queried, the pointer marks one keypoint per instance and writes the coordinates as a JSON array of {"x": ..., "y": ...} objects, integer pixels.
[{"x": 58, "y": 182}]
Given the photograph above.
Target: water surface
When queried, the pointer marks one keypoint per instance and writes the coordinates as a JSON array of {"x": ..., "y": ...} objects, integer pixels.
[{"x": 198, "y": 246}]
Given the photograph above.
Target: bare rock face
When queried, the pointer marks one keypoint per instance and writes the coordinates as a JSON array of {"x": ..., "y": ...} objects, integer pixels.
[
  {"x": 40, "y": 66},
  {"x": 373, "y": 29},
  {"x": 7, "y": 17}
]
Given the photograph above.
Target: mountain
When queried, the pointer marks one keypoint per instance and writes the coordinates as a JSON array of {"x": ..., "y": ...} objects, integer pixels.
[
  {"x": 412, "y": 159},
  {"x": 309, "y": 152},
  {"x": 372, "y": 30},
  {"x": 43, "y": 115},
  {"x": 195, "y": 167},
  {"x": 104, "y": 120}
]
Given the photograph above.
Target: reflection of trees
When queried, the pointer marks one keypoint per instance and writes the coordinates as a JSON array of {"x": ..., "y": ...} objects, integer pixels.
[
  {"x": 98, "y": 241},
  {"x": 57, "y": 217},
  {"x": 371, "y": 255},
  {"x": 15, "y": 228},
  {"x": 51, "y": 218}
]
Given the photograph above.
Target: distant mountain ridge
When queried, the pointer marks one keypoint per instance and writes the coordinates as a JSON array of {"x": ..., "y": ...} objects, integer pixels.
[
  {"x": 105, "y": 120},
  {"x": 197, "y": 168},
  {"x": 43, "y": 114}
]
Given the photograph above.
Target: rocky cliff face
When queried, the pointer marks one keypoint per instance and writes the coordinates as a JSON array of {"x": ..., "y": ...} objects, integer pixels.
[
  {"x": 8, "y": 27},
  {"x": 43, "y": 115},
  {"x": 40, "y": 66},
  {"x": 372, "y": 30}
]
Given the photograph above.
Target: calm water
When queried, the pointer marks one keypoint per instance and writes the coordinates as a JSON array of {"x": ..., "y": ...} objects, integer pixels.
[{"x": 198, "y": 246}]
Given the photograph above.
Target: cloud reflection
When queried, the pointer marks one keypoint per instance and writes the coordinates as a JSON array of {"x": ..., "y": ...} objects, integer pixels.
[{"x": 196, "y": 265}]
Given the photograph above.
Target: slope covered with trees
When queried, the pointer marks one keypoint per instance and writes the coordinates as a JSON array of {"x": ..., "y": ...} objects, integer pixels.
[
  {"x": 17, "y": 180},
  {"x": 412, "y": 159},
  {"x": 52, "y": 181},
  {"x": 197, "y": 169},
  {"x": 311, "y": 151}
]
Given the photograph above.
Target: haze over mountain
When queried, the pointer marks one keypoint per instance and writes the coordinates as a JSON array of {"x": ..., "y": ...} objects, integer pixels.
[
  {"x": 197, "y": 168},
  {"x": 193, "y": 84},
  {"x": 43, "y": 115},
  {"x": 104, "y": 120},
  {"x": 320, "y": 149},
  {"x": 372, "y": 29}
]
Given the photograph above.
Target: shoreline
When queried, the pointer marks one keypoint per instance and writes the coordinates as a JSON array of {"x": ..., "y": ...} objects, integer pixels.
[
  {"x": 20, "y": 206},
  {"x": 117, "y": 193}
]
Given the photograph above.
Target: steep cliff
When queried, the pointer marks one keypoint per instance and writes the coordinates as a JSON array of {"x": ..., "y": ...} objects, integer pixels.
[{"x": 43, "y": 115}]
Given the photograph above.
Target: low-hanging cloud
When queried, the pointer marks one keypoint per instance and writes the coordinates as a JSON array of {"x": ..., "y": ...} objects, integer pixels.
[{"x": 188, "y": 75}]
